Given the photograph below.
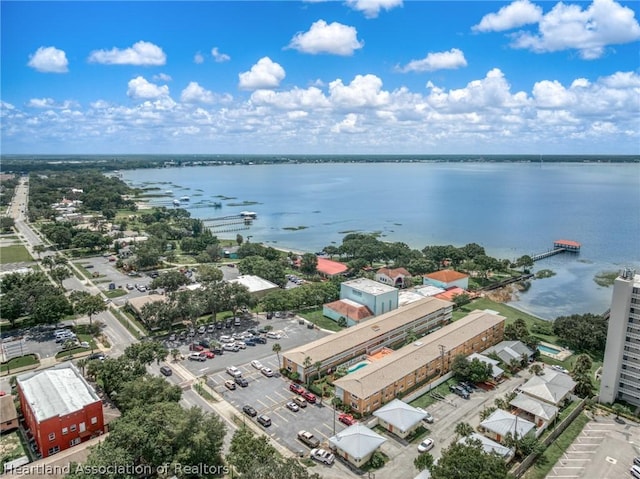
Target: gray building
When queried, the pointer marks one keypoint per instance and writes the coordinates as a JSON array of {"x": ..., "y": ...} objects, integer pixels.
[{"x": 621, "y": 368}]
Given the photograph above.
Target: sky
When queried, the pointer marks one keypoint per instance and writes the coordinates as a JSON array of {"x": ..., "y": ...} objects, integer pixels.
[{"x": 315, "y": 77}]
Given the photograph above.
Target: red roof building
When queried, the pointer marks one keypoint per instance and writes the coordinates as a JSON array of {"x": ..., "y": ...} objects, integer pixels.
[
  {"x": 447, "y": 278},
  {"x": 349, "y": 310},
  {"x": 393, "y": 277},
  {"x": 328, "y": 267}
]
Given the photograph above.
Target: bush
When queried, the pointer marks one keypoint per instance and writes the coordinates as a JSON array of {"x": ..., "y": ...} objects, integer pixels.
[{"x": 377, "y": 460}]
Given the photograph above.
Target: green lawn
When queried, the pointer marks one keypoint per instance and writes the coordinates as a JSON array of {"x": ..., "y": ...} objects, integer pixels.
[
  {"x": 14, "y": 254},
  {"x": 11, "y": 447},
  {"x": 20, "y": 362},
  {"x": 321, "y": 321},
  {"x": 426, "y": 400}
]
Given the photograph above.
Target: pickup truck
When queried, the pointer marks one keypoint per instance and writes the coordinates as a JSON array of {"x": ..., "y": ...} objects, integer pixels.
[{"x": 309, "y": 439}]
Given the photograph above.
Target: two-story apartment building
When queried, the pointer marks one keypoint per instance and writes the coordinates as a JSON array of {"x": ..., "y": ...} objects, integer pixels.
[
  {"x": 370, "y": 336},
  {"x": 379, "y": 382},
  {"x": 60, "y": 408}
]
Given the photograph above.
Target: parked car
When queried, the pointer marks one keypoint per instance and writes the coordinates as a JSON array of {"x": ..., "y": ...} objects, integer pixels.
[
  {"x": 205, "y": 344},
  {"x": 459, "y": 391},
  {"x": 100, "y": 356},
  {"x": 256, "y": 364},
  {"x": 310, "y": 397},
  {"x": 308, "y": 438},
  {"x": 172, "y": 337},
  {"x": 210, "y": 328},
  {"x": 208, "y": 354},
  {"x": 197, "y": 357},
  {"x": 240, "y": 345},
  {"x": 217, "y": 350},
  {"x": 347, "y": 419},
  {"x": 260, "y": 340},
  {"x": 300, "y": 401},
  {"x": 264, "y": 420},
  {"x": 226, "y": 339},
  {"x": 560, "y": 368},
  {"x": 425, "y": 445},
  {"x": 249, "y": 411},
  {"x": 469, "y": 384},
  {"x": 465, "y": 387},
  {"x": 219, "y": 324},
  {"x": 428, "y": 418},
  {"x": 166, "y": 370},
  {"x": 229, "y": 384},
  {"x": 273, "y": 335},
  {"x": 231, "y": 347},
  {"x": 195, "y": 347},
  {"x": 242, "y": 382},
  {"x": 296, "y": 388},
  {"x": 236, "y": 321},
  {"x": 202, "y": 329},
  {"x": 227, "y": 323},
  {"x": 267, "y": 372},
  {"x": 323, "y": 456},
  {"x": 292, "y": 406},
  {"x": 234, "y": 371},
  {"x": 249, "y": 342}
]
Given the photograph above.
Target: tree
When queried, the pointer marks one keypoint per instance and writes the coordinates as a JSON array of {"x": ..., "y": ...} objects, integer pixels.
[
  {"x": 306, "y": 365},
  {"x": 175, "y": 354},
  {"x": 464, "y": 460},
  {"x": 39, "y": 249},
  {"x": 239, "y": 239},
  {"x": 170, "y": 281},
  {"x": 461, "y": 299},
  {"x": 536, "y": 369},
  {"x": 423, "y": 461},
  {"x": 145, "y": 391},
  {"x": 463, "y": 429},
  {"x": 276, "y": 349},
  {"x": 524, "y": 262},
  {"x": 317, "y": 366},
  {"x": 60, "y": 273},
  {"x": 582, "y": 332},
  {"x": 581, "y": 374},
  {"x": 84, "y": 303},
  {"x": 309, "y": 264}
]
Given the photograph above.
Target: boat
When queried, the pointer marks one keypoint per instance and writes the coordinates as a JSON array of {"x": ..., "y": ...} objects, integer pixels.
[
  {"x": 184, "y": 198},
  {"x": 168, "y": 192},
  {"x": 248, "y": 214},
  {"x": 176, "y": 202}
]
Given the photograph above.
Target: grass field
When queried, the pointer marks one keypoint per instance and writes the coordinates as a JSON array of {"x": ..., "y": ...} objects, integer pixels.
[
  {"x": 14, "y": 254},
  {"x": 319, "y": 320},
  {"x": 20, "y": 362}
]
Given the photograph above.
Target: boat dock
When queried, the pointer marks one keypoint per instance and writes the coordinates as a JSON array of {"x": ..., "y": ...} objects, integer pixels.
[{"x": 559, "y": 246}]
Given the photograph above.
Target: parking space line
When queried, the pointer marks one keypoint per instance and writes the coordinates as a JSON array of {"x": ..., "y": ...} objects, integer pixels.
[{"x": 280, "y": 416}]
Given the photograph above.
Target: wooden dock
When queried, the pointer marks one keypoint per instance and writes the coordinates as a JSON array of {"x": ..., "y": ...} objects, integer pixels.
[{"x": 559, "y": 246}]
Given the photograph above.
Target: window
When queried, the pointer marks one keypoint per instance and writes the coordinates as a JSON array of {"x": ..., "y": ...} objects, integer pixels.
[
  {"x": 65, "y": 430},
  {"x": 73, "y": 427},
  {"x": 83, "y": 428},
  {"x": 94, "y": 420},
  {"x": 73, "y": 442},
  {"x": 53, "y": 450},
  {"x": 52, "y": 436}
]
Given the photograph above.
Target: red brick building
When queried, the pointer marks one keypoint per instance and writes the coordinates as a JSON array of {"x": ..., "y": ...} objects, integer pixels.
[{"x": 60, "y": 408}]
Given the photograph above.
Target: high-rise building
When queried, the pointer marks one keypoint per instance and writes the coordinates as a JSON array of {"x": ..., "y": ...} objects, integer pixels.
[{"x": 621, "y": 368}]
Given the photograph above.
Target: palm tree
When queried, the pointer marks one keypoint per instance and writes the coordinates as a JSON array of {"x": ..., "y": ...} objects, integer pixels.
[
  {"x": 463, "y": 429},
  {"x": 306, "y": 365},
  {"x": 175, "y": 354},
  {"x": 317, "y": 365},
  {"x": 81, "y": 364},
  {"x": 276, "y": 349}
]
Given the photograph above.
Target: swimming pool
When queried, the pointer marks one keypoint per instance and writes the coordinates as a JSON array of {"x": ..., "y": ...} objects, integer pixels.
[
  {"x": 548, "y": 349},
  {"x": 355, "y": 367}
]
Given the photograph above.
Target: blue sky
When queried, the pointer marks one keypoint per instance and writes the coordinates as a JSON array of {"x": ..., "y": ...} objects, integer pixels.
[{"x": 352, "y": 77}]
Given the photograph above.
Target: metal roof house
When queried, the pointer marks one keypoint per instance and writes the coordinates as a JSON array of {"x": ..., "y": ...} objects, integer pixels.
[
  {"x": 551, "y": 386},
  {"x": 501, "y": 423},
  {"x": 399, "y": 417},
  {"x": 540, "y": 411},
  {"x": 356, "y": 444},
  {"x": 489, "y": 446}
]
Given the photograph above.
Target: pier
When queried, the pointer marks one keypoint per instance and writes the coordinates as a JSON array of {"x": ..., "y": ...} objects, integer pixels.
[{"x": 559, "y": 246}]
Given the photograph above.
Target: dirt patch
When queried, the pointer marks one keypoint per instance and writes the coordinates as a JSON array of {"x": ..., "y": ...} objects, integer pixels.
[{"x": 503, "y": 295}]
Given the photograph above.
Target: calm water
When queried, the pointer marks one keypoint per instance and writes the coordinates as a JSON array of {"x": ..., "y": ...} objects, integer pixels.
[{"x": 509, "y": 208}]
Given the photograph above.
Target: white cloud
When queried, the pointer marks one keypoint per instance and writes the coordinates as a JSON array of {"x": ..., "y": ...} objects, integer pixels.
[
  {"x": 371, "y": 8},
  {"x": 51, "y": 103},
  {"x": 334, "y": 38},
  {"x": 264, "y": 74},
  {"x": 589, "y": 31},
  {"x": 363, "y": 91},
  {"x": 348, "y": 125},
  {"x": 450, "y": 60},
  {"x": 141, "y": 53},
  {"x": 219, "y": 57},
  {"x": 295, "y": 99},
  {"x": 194, "y": 93},
  {"x": 49, "y": 60},
  {"x": 198, "y": 58},
  {"x": 161, "y": 77},
  {"x": 141, "y": 89},
  {"x": 514, "y": 15}
]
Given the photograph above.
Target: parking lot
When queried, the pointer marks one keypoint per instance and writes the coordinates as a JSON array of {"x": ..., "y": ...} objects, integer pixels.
[
  {"x": 292, "y": 334},
  {"x": 604, "y": 449}
]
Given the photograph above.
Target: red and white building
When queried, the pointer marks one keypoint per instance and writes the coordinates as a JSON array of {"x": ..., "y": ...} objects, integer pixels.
[{"x": 60, "y": 408}]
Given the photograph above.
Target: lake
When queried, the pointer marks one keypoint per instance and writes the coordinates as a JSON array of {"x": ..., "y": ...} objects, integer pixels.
[{"x": 511, "y": 209}]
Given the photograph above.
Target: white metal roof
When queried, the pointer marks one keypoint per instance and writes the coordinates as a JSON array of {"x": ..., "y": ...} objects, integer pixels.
[
  {"x": 501, "y": 422},
  {"x": 357, "y": 441},
  {"x": 400, "y": 415},
  {"x": 57, "y": 391},
  {"x": 488, "y": 445},
  {"x": 369, "y": 286},
  {"x": 254, "y": 283},
  {"x": 535, "y": 407}
]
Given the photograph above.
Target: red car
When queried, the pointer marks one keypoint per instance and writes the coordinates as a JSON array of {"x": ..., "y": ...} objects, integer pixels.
[
  {"x": 195, "y": 347},
  {"x": 310, "y": 397},
  {"x": 347, "y": 419},
  {"x": 209, "y": 354},
  {"x": 296, "y": 388}
]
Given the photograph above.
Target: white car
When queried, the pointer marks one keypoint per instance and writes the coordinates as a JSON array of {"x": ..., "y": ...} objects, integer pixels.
[
  {"x": 202, "y": 329},
  {"x": 230, "y": 347},
  {"x": 267, "y": 372},
  {"x": 234, "y": 371},
  {"x": 560, "y": 368},
  {"x": 240, "y": 345},
  {"x": 226, "y": 339},
  {"x": 273, "y": 335},
  {"x": 323, "y": 455},
  {"x": 256, "y": 364},
  {"x": 425, "y": 445}
]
